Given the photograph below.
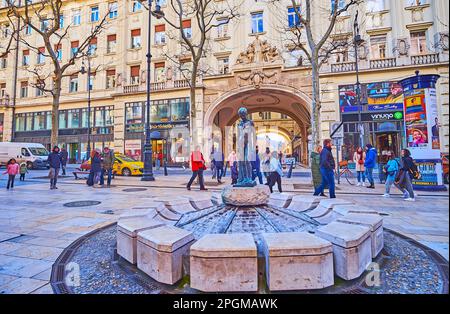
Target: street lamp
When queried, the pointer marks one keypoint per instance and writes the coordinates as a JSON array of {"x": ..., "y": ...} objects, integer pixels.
[
  {"x": 147, "y": 174},
  {"x": 358, "y": 41},
  {"x": 83, "y": 71}
]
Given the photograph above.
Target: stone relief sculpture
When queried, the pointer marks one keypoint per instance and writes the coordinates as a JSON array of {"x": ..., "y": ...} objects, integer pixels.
[
  {"x": 257, "y": 52},
  {"x": 402, "y": 47},
  {"x": 257, "y": 77}
]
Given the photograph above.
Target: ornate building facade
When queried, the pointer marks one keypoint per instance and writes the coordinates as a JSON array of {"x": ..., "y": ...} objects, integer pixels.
[{"x": 249, "y": 62}]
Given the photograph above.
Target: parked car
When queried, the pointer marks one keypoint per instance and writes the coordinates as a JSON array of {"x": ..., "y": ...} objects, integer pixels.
[
  {"x": 445, "y": 162},
  {"x": 123, "y": 165},
  {"x": 33, "y": 154}
]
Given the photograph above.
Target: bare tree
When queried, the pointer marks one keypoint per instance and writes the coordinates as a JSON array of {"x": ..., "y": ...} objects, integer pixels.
[
  {"x": 44, "y": 18},
  {"x": 204, "y": 15},
  {"x": 317, "y": 44}
]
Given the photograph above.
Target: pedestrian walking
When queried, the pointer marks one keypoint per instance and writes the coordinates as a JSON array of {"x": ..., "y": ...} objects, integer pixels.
[
  {"x": 157, "y": 161},
  {"x": 232, "y": 161},
  {"x": 369, "y": 164},
  {"x": 23, "y": 170},
  {"x": 64, "y": 159},
  {"x": 218, "y": 159},
  {"x": 197, "y": 166},
  {"x": 391, "y": 170},
  {"x": 315, "y": 167},
  {"x": 265, "y": 164},
  {"x": 256, "y": 167},
  {"x": 408, "y": 171},
  {"x": 12, "y": 169},
  {"x": 55, "y": 163},
  {"x": 327, "y": 165},
  {"x": 213, "y": 165},
  {"x": 108, "y": 160},
  {"x": 359, "y": 157},
  {"x": 276, "y": 172},
  {"x": 96, "y": 168}
]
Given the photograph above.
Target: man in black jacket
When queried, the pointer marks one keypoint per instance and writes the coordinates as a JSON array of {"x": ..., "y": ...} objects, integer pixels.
[
  {"x": 327, "y": 166},
  {"x": 55, "y": 163}
]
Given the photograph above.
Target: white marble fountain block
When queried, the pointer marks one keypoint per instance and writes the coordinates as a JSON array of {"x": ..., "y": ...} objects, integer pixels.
[
  {"x": 160, "y": 252},
  {"x": 297, "y": 261},
  {"x": 345, "y": 209},
  {"x": 374, "y": 222},
  {"x": 352, "y": 251},
  {"x": 200, "y": 201},
  {"x": 279, "y": 199},
  {"x": 224, "y": 263},
  {"x": 127, "y": 230},
  {"x": 303, "y": 203},
  {"x": 246, "y": 196}
]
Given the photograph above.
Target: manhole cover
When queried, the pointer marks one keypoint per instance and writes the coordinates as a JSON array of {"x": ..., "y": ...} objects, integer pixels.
[
  {"x": 134, "y": 190},
  {"x": 81, "y": 203}
]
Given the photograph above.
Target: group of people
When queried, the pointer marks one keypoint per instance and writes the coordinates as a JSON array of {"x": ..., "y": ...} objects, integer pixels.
[
  {"x": 398, "y": 172},
  {"x": 101, "y": 163},
  {"x": 269, "y": 162}
]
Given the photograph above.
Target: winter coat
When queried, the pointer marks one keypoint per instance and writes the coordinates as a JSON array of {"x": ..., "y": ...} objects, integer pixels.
[
  {"x": 64, "y": 157},
  {"x": 23, "y": 168},
  {"x": 356, "y": 158},
  {"x": 315, "y": 169},
  {"x": 108, "y": 160},
  {"x": 326, "y": 159},
  {"x": 12, "y": 169},
  {"x": 371, "y": 158},
  {"x": 392, "y": 168},
  {"x": 197, "y": 161},
  {"x": 96, "y": 164},
  {"x": 54, "y": 160}
]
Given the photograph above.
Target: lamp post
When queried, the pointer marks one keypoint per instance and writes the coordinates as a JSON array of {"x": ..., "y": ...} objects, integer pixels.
[
  {"x": 357, "y": 41},
  {"x": 83, "y": 71},
  {"x": 147, "y": 174}
]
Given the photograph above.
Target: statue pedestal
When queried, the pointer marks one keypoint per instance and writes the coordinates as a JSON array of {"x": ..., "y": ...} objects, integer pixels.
[{"x": 246, "y": 196}]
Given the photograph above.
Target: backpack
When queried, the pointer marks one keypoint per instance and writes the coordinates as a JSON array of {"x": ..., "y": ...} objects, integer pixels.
[{"x": 415, "y": 173}]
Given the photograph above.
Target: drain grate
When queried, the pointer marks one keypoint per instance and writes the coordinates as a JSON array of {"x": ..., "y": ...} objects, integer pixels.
[
  {"x": 82, "y": 203},
  {"x": 134, "y": 190}
]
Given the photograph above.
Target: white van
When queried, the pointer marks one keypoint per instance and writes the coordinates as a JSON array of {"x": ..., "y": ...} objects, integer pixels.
[{"x": 34, "y": 154}]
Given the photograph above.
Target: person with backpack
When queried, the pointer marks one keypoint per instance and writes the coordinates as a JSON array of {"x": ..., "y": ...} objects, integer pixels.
[
  {"x": 23, "y": 170},
  {"x": 12, "y": 169},
  {"x": 359, "y": 157},
  {"x": 408, "y": 171},
  {"x": 391, "y": 169},
  {"x": 369, "y": 164},
  {"x": 55, "y": 162}
]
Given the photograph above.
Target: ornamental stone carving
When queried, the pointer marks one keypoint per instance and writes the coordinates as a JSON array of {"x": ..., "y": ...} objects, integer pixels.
[
  {"x": 259, "y": 51},
  {"x": 257, "y": 77}
]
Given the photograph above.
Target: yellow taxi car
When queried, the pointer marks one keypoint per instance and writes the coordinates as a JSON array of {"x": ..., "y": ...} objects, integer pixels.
[{"x": 123, "y": 165}]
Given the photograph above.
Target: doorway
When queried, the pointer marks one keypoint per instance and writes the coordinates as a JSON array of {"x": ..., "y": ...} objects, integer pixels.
[
  {"x": 387, "y": 142},
  {"x": 73, "y": 151}
]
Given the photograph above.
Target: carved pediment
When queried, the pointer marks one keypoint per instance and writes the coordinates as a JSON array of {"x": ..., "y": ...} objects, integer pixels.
[{"x": 259, "y": 51}]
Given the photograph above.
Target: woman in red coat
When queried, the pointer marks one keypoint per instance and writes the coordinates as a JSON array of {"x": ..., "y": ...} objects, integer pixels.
[{"x": 198, "y": 166}]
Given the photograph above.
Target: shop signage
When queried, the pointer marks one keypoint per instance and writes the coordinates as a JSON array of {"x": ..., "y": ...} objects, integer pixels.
[
  {"x": 374, "y": 117},
  {"x": 140, "y": 127}
]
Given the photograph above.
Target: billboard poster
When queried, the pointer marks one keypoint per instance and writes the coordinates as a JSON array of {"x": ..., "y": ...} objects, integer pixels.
[
  {"x": 133, "y": 149},
  {"x": 416, "y": 119},
  {"x": 428, "y": 170}
]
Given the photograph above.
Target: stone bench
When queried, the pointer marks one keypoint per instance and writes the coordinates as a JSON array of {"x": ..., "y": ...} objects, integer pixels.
[
  {"x": 297, "y": 261},
  {"x": 160, "y": 252},
  {"x": 352, "y": 251},
  {"x": 280, "y": 199},
  {"x": 224, "y": 263},
  {"x": 127, "y": 230},
  {"x": 374, "y": 222}
]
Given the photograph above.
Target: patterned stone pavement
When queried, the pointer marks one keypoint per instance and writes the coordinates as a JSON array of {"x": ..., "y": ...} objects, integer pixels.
[{"x": 35, "y": 226}]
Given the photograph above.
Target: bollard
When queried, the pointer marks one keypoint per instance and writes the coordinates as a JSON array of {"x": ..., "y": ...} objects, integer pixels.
[{"x": 289, "y": 175}]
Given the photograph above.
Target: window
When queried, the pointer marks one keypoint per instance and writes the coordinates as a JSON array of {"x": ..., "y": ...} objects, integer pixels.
[
  {"x": 74, "y": 48},
  {"x": 91, "y": 80},
  {"x": 179, "y": 109},
  {"x": 26, "y": 57},
  {"x": 222, "y": 28},
  {"x": 137, "y": 6},
  {"x": 135, "y": 38},
  {"x": 159, "y": 72},
  {"x": 133, "y": 114},
  {"x": 58, "y": 51},
  {"x": 2, "y": 89},
  {"x": 418, "y": 43},
  {"x": 3, "y": 62},
  {"x": 40, "y": 55},
  {"x": 44, "y": 25},
  {"x": 378, "y": 46},
  {"x": 134, "y": 74},
  {"x": 84, "y": 118},
  {"x": 39, "y": 121},
  {"x": 161, "y": 2},
  {"x": 375, "y": 5},
  {"x": 160, "y": 34},
  {"x": 103, "y": 116},
  {"x": 20, "y": 122},
  {"x": 92, "y": 49},
  {"x": 224, "y": 65},
  {"x": 340, "y": 5},
  {"x": 111, "y": 41},
  {"x": 413, "y": 3},
  {"x": 94, "y": 14},
  {"x": 187, "y": 30},
  {"x": 73, "y": 118},
  {"x": 284, "y": 116},
  {"x": 113, "y": 10},
  {"x": 257, "y": 23},
  {"x": 73, "y": 84},
  {"x": 62, "y": 120},
  {"x": 48, "y": 121},
  {"x": 110, "y": 78},
  {"x": 159, "y": 111},
  {"x": 28, "y": 29},
  {"x": 61, "y": 21},
  {"x": 293, "y": 19},
  {"x": 40, "y": 88},
  {"x": 24, "y": 89},
  {"x": 265, "y": 115},
  {"x": 76, "y": 17},
  {"x": 29, "y": 121}
]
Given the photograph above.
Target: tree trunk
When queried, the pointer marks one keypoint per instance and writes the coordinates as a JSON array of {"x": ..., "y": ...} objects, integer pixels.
[
  {"x": 55, "y": 112},
  {"x": 193, "y": 107},
  {"x": 316, "y": 105}
]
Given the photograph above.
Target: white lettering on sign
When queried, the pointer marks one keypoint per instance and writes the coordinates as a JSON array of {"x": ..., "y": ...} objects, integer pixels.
[{"x": 382, "y": 116}]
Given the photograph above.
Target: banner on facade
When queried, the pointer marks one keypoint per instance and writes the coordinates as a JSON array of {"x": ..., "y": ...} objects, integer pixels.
[{"x": 133, "y": 149}]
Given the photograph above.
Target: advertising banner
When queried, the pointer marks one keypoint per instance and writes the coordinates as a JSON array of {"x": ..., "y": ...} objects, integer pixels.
[
  {"x": 422, "y": 129},
  {"x": 133, "y": 149}
]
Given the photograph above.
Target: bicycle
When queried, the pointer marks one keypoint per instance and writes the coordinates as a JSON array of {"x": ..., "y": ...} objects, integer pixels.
[{"x": 346, "y": 172}]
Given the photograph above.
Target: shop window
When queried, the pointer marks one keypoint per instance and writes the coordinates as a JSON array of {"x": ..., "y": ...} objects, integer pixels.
[
  {"x": 28, "y": 122},
  {"x": 179, "y": 109},
  {"x": 20, "y": 122},
  {"x": 39, "y": 121},
  {"x": 48, "y": 120},
  {"x": 62, "y": 121},
  {"x": 159, "y": 111},
  {"x": 73, "y": 118}
]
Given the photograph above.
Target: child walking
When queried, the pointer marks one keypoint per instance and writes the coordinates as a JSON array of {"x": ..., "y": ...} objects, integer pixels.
[
  {"x": 23, "y": 170},
  {"x": 12, "y": 169}
]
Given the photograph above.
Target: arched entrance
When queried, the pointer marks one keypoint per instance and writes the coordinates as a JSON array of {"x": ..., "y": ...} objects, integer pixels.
[{"x": 269, "y": 98}]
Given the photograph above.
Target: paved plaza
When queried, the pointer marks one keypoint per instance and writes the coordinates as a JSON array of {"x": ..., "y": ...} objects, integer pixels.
[{"x": 36, "y": 226}]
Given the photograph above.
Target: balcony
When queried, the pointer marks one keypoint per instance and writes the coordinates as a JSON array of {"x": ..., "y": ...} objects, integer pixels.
[
  {"x": 4, "y": 101},
  {"x": 155, "y": 86},
  {"x": 430, "y": 58},
  {"x": 343, "y": 67},
  {"x": 383, "y": 63}
]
